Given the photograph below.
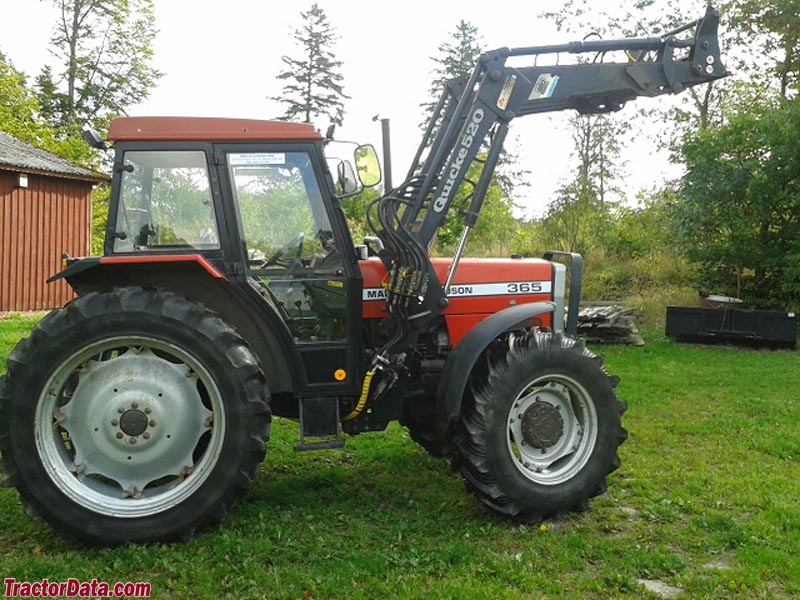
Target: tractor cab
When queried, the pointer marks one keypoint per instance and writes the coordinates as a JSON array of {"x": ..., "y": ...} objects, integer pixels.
[{"x": 254, "y": 204}]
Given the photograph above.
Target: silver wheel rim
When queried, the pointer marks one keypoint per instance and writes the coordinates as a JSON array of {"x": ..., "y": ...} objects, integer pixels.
[
  {"x": 129, "y": 426},
  {"x": 552, "y": 429}
]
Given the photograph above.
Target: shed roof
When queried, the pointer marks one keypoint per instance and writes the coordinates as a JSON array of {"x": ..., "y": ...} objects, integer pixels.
[{"x": 16, "y": 155}]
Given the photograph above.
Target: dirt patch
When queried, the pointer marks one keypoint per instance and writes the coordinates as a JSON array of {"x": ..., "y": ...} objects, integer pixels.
[
  {"x": 660, "y": 589},
  {"x": 719, "y": 564}
]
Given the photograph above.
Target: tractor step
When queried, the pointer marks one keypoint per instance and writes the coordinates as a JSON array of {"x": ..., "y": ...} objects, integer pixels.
[
  {"x": 331, "y": 444},
  {"x": 319, "y": 418}
]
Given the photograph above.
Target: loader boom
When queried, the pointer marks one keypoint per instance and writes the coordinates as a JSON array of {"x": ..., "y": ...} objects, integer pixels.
[{"x": 470, "y": 124}]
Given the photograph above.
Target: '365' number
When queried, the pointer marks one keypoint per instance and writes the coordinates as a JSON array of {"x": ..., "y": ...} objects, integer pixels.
[{"x": 524, "y": 287}]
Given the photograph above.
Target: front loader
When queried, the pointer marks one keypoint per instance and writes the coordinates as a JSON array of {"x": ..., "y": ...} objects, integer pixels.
[{"x": 230, "y": 290}]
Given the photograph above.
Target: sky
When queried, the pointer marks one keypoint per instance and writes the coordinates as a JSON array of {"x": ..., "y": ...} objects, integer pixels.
[{"x": 220, "y": 59}]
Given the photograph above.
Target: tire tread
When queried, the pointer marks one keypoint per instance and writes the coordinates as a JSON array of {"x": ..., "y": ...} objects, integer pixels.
[
  {"x": 471, "y": 457},
  {"x": 241, "y": 362}
]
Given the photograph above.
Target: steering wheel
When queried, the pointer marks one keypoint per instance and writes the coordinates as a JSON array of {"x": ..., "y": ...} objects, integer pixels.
[{"x": 275, "y": 259}]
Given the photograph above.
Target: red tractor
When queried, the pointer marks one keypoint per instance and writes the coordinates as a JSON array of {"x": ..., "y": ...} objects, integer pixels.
[{"x": 230, "y": 290}]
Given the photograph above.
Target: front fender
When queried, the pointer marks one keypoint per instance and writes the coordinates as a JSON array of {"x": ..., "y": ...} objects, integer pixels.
[{"x": 462, "y": 359}]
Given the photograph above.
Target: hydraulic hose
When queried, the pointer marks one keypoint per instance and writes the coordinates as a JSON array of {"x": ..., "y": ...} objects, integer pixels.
[{"x": 362, "y": 401}]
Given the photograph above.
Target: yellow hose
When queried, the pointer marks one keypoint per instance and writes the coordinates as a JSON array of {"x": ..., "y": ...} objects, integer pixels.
[{"x": 362, "y": 401}]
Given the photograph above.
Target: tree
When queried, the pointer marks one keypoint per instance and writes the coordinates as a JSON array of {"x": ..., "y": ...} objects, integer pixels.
[
  {"x": 21, "y": 116},
  {"x": 575, "y": 220},
  {"x": 314, "y": 82},
  {"x": 771, "y": 30},
  {"x": 495, "y": 229},
  {"x": 740, "y": 213},
  {"x": 698, "y": 106},
  {"x": 496, "y": 226},
  {"x": 105, "y": 53},
  {"x": 457, "y": 58},
  {"x": 597, "y": 148},
  {"x": 18, "y": 106}
]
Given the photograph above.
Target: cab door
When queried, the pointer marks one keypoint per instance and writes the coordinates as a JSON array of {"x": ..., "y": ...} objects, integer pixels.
[{"x": 297, "y": 254}]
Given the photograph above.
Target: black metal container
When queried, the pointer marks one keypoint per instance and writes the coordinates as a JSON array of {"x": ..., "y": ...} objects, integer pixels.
[{"x": 760, "y": 328}]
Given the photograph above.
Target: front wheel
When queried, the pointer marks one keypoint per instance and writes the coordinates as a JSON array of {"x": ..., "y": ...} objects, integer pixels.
[
  {"x": 132, "y": 416},
  {"x": 539, "y": 427}
]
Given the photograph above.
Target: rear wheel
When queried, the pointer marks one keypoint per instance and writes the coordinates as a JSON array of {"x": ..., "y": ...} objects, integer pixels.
[
  {"x": 540, "y": 426},
  {"x": 132, "y": 416}
]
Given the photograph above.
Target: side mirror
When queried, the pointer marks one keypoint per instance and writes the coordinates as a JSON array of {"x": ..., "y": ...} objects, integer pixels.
[
  {"x": 346, "y": 179},
  {"x": 93, "y": 139},
  {"x": 367, "y": 165}
]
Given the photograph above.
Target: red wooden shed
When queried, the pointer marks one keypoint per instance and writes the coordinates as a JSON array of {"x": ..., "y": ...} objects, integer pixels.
[{"x": 45, "y": 210}]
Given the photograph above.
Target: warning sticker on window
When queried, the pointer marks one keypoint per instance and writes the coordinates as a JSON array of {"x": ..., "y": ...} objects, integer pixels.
[
  {"x": 544, "y": 87},
  {"x": 256, "y": 160}
]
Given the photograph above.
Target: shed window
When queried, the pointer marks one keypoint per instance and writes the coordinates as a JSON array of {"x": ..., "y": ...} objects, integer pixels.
[{"x": 165, "y": 202}]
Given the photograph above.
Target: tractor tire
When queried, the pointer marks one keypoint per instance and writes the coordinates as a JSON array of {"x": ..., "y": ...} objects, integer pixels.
[
  {"x": 431, "y": 433},
  {"x": 132, "y": 416},
  {"x": 539, "y": 426}
]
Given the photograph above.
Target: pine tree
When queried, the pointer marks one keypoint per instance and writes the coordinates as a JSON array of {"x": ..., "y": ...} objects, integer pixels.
[
  {"x": 457, "y": 58},
  {"x": 314, "y": 81}
]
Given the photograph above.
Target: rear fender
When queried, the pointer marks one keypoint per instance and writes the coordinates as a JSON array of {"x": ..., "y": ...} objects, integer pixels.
[
  {"x": 80, "y": 265},
  {"x": 462, "y": 359},
  {"x": 199, "y": 281}
]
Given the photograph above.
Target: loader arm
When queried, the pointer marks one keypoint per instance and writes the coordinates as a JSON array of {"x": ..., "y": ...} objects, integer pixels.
[{"x": 470, "y": 124}]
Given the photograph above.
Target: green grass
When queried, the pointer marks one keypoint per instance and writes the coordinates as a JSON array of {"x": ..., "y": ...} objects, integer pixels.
[{"x": 707, "y": 499}]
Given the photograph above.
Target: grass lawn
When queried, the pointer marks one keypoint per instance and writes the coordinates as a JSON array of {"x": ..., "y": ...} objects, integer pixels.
[{"x": 707, "y": 500}]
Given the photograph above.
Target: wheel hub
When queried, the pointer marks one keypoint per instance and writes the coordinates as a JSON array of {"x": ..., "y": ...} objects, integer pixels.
[
  {"x": 542, "y": 425},
  {"x": 551, "y": 429},
  {"x": 133, "y": 422},
  {"x": 135, "y": 419}
]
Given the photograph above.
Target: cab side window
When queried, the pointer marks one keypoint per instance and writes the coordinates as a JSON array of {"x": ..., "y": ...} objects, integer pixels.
[
  {"x": 283, "y": 217},
  {"x": 292, "y": 258},
  {"x": 165, "y": 203}
]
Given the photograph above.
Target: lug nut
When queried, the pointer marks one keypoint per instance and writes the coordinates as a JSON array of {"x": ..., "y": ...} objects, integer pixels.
[
  {"x": 132, "y": 440},
  {"x": 114, "y": 422},
  {"x": 121, "y": 409},
  {"x": 147, "y": 411},
  {"x": 119, "y": 435},
  {"x": 146, "y": 435},
  {"x": 152, "y": 423},
  {"x": 134, "y": 405}
]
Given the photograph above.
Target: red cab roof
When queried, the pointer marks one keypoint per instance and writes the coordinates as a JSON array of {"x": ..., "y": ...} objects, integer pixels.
[{"x": 202, "y": 129}]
